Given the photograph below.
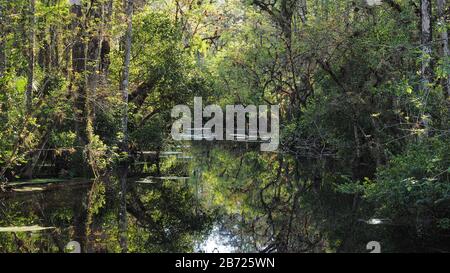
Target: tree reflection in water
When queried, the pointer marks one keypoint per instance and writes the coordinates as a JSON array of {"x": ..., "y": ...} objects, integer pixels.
[{"x": 162, "y": 218}]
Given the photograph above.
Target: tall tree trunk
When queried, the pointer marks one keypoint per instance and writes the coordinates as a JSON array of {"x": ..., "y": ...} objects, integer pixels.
[
  {"x": 426, "y": 69},
  {"x": 124, "y": 142},
  {"x": 426, "y": 40},
  {"x": 106, "y": 48},
  {"x": 286, "y": 14},
  {"x": 31, "y": 55},
  {"x": 54, "y": 47},
  {"x": 95, "y": 36},
  {"x": 103, "y": 47},
  {"x": 52, "y": 43},
  {"x": 3, "y": 106},
  {"x": 442, "y": 20},
  {"x": 78, "y": 83},
  {"x": 2, "y": 43}
]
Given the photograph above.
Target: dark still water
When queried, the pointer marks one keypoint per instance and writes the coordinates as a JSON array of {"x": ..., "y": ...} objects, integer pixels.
[
  {"x": 165, "y": 216},
  {"x": 208, "y": 202}
]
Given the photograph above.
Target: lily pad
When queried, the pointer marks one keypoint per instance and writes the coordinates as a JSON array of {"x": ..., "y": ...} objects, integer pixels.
[
  {"x": 24, "y": 229},
  {"x": 145, "y": 181},
  {"x": 28, "y": 189},
  {"x": 169, "y": 177},
  {"x": 37, "y": 182}
]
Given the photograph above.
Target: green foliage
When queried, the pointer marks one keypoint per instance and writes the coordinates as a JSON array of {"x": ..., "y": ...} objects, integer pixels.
[
  {"x": 362, "y": 133},
  {"x": 415, "y": 179}
]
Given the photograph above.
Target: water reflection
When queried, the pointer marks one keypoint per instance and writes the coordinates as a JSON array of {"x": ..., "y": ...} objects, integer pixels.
[
  {"x": 60, "y": 207},
  {"x": 217, "y": 242},
  {"x": 233, "y": 201},
  {"x": 163, "y": 217}
]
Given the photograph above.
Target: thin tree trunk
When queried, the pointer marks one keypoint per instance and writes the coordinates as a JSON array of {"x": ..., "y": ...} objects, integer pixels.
[
  {"x": 124, "y": 142},
  {"x": 106, "y": 48},
  {"x": 2, "y": 43},
  {"x": 441, "y": 6},
  {"x": 78, "y": 84},
  {"x": 426, "y": 69},
  {"x": 426, "y": 40},
  {"x": 125, "y": 76},
  {"x": 54, "y": 47},
  {"x": 31, "y": 55},
  {"x": 95, "y": 34}
]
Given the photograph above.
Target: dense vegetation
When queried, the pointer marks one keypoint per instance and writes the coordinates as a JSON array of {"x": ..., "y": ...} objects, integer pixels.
[{"x": 363, "y": 86}]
